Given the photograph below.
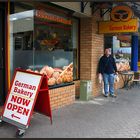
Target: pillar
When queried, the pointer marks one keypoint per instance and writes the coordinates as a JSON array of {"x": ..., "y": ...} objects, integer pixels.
[{"x": 134, "y": 53}]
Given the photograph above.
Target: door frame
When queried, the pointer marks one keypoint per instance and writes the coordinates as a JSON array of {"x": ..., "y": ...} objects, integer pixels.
[{"x": 3, "y": 9}]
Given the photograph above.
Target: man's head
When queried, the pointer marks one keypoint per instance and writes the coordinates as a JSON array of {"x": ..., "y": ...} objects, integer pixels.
[{"x": 108, "y": 51}]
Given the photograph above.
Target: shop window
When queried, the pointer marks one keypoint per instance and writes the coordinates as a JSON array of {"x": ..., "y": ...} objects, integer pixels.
[
  {"x": 45, "y": 43},
  {"x": 122, "y": 51}
]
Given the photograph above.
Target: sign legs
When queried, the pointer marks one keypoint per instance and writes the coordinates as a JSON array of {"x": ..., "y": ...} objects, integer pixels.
[{"x": 20, "y": 133}]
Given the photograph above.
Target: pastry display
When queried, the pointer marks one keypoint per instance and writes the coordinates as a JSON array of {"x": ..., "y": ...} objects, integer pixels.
[
  {"x": 51, "y": 81},
  {"x": 123, "y": 66},
  {"x": 57, "y": 75}
]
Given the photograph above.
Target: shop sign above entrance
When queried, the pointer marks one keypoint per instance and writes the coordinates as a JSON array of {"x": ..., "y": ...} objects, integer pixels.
[
  {"x": 118, "y": 27},
  {"x": 121, "y": 21},
  {"x": 121, "y": 13}
]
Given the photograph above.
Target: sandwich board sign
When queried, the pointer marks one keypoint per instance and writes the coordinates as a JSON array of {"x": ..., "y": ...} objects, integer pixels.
[{"x": 21, "y": 98}]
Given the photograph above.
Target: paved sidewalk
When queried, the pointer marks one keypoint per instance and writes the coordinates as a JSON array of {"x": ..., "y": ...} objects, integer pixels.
[{"x": 98, "y": 118}]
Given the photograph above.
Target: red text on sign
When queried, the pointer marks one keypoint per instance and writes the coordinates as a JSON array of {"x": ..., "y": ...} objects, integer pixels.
[
  {"x": 20, "y": 100},
  {"x": 18, "y": 109}
]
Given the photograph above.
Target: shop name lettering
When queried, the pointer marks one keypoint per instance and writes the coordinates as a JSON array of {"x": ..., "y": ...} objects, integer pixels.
[
  {"x": 124, "y": 27},
  {"x": 43, "y": 14},
  {"x": 20, "y": 100},
  {"x": 23, "y": 86}
]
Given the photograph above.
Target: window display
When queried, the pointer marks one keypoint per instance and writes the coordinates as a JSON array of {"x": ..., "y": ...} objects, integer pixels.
[
  {"x": 46, "y": 44},
  {"x": 57, "y": 75},
  {"x": 52, "y": 32},
  {"x": 122, "y": 51}
]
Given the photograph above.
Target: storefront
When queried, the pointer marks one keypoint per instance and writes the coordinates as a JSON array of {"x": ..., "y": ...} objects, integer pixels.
[
  {"x": 51, "y": 39},
  {"x": 122, "y": 33},
  {"x": 60, "y": 42},
  {"x": 123, "y": 36},
  {"x": 45, "y": 39}
]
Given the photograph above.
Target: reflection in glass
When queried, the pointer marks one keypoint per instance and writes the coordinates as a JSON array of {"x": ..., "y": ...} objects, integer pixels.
[{"x": 21, "y": 40}]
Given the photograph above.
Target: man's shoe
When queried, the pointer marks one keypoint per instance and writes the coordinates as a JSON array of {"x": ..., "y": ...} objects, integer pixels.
[
  {"x": 106, "y": 95},
  {"x": 113, "y": 95}
]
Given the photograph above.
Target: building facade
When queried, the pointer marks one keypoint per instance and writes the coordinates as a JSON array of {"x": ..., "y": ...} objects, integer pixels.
[{"x": 57, "y": 38}]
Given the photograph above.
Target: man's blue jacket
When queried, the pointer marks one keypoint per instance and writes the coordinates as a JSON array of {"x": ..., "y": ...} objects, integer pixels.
[{"x": 107, "y": 65}]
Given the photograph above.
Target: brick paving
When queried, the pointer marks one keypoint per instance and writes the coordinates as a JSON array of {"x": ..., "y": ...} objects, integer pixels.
[{"x": 98, "y": 118}]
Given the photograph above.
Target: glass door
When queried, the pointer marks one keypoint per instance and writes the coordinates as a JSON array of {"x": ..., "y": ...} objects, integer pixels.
[{"x": 21, "y": 41}]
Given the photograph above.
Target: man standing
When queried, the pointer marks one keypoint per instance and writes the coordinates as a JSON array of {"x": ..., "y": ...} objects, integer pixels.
[{"x": 107, "y": 68}]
